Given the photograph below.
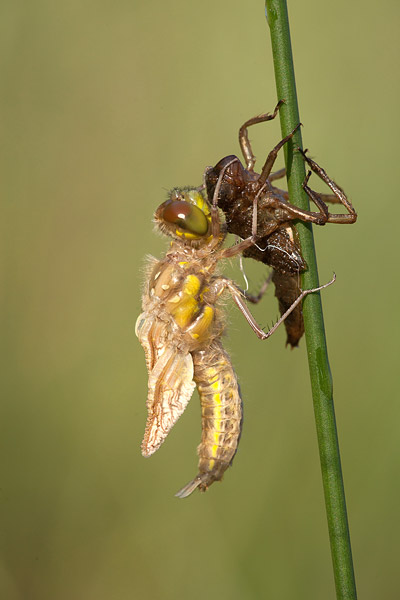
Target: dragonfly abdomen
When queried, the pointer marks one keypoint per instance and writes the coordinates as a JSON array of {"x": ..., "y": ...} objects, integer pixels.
[{"x": 222, "y": 414}]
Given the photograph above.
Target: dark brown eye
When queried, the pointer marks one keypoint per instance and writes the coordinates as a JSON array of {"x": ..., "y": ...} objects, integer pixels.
[{"x": 187, "y": 216}]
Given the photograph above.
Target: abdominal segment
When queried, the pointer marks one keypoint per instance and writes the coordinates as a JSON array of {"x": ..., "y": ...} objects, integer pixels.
[{"x": 222, "y": 414}]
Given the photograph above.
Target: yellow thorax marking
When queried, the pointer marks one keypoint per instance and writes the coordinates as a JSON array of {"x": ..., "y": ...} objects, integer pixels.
[
  {"x": 191, "y": 285},
  {"x": 186, "y": 306},
  {"x": 202, "y": 324}
]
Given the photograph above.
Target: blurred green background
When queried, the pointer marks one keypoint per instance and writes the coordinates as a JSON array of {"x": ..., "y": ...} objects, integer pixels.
[{"x": 105, "y": 106}]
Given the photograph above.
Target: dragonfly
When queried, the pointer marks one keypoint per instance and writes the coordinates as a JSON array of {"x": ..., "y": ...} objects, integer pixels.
[
  {"x": 278, "y": 245},
  {"x": 182, "y": 323}
]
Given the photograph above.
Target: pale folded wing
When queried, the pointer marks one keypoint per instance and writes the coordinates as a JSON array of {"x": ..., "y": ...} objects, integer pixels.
[{"x": 171, "y": 382}]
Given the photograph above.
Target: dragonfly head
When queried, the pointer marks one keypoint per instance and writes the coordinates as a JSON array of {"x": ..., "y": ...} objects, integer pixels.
[{"x": 185, "y": 216}]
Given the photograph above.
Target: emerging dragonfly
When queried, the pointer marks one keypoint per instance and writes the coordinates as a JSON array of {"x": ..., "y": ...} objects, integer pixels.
[
  {"x": 181, "y": 326},
  {"x": 278, "y": 245}
]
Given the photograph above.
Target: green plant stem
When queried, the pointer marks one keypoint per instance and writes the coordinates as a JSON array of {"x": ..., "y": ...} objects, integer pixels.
[{"x": 321, "y": 380}]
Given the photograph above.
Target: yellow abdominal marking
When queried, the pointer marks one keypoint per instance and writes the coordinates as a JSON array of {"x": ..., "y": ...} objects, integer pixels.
[
  {"x": 217, "y": 416},
  {"x": 211, "y": 374}
]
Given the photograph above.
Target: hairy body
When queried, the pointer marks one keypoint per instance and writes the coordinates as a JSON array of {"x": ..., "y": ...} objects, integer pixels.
[{"x": 180, "y": 330}]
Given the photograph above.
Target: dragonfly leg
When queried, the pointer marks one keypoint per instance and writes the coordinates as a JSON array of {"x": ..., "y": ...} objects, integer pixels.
[
  {"x": 338, "y": 197},
  {"x": 331, "y": 198},
  {"x": 277, "y": 175},
  {"x": 223, "y": 283},
  {"x": 255, "y": 298},
  {"x": 271, "y": 158},
  {"x": 244, "y": 135},
  {"x": 302, "y": 295}
]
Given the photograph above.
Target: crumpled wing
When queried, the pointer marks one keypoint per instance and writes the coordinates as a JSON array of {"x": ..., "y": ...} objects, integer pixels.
[{"x": 171, "y": 382}]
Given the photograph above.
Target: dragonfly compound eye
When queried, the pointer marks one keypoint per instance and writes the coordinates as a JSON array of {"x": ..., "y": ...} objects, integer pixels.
[{"x": 186, "y": 216}]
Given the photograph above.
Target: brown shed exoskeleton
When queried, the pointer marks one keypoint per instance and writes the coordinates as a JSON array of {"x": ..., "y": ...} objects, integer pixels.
[{"x": 277, "y": 241}]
